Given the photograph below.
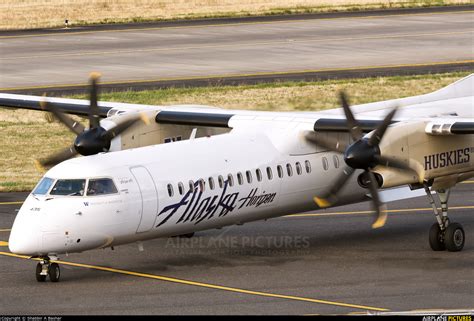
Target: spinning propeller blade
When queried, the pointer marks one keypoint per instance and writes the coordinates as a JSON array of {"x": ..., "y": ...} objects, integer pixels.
[
  {"x": 73, "y": 125},
  {"x": 92, "y": 140},
  {"x": 363, "y": 153},
  {"x": 331, "y": 197},
  {"x": 380, "y": 216},
  {"x": 326, "y": 142},
  {"x": 56, "y": 158},
  {"x": 352, "y": 124},
  {"x": 94, "y": 118}
]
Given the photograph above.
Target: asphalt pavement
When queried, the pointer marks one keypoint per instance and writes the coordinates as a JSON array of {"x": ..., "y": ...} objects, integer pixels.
[
  {"x": 260, "y": 48},
  {"x": 328, "y": 262}
]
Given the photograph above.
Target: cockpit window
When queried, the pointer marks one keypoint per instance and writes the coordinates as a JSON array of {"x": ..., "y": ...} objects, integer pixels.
[
  {"x": 69, "y": 187},
  {"x": 101, "y": 186},
  {"x": 43, "y": 187}
]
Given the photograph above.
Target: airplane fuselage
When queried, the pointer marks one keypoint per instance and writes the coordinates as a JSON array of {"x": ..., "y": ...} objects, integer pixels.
[{"x": 174, "y": 189}]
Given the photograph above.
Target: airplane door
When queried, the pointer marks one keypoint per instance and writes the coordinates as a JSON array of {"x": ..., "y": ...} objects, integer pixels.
[{"x": 149, "y": 196}]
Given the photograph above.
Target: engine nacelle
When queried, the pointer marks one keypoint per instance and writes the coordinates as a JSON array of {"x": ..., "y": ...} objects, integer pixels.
[
  {"x": 390, "y": 177},
  {"x": 431, "y": 157},
  {"x": 149, "y": 132}
]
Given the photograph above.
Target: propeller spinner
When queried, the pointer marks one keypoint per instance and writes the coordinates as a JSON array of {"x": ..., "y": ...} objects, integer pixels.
[
  {"x": 363, "y": 153},
  {"x": 89, "y": 141}
]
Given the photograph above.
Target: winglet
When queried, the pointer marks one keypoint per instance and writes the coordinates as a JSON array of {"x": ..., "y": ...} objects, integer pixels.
[{"x": 321, "y": 202}]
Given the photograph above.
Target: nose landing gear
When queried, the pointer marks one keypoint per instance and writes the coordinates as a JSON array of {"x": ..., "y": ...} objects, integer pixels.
[
  {"x": 45, "y": 268},
  {"x": 444, "y": 234}
]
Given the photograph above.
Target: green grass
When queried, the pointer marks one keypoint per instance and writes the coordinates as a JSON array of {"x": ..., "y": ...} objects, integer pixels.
[
  {"x": 290, "y": 96},
  {"x": 28, "y": 135}
]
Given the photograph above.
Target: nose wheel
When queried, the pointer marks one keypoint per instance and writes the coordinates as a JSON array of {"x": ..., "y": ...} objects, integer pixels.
[
  {"x": 45, "y": 268},
  {"x": 444, "y": 235}
]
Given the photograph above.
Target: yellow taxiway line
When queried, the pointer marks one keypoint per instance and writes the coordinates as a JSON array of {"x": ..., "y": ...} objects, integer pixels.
[
  {"x": 78, "y": 32},
  {"x": 11, "y": 203},
  {"x": 5, "y": 230},
  {"x": 407, "y": 210},
  {"x": 207, "y": 285},
  {"x": 257, "y": 74},
  {"x": 232, "y": 289}
]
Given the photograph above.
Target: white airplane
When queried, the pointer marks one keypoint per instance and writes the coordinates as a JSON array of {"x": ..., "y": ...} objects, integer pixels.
[{"x": 225, "y": 167}]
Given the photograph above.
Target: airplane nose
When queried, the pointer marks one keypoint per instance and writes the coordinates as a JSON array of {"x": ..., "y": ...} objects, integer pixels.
[{"x": 25, "y": 238}]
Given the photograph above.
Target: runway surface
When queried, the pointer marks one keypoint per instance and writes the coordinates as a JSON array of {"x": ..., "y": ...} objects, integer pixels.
[
  {"x": 235, "y": 49},
  {"x": 324, "y": 262}
]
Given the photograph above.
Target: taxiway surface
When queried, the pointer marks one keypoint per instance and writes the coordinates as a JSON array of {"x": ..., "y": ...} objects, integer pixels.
[
  {"x": 235, "y": 49},
  {"x": 323, "y": 262}
]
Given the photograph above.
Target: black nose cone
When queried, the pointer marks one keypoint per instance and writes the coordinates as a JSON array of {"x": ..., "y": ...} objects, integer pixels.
[
  {"x": 92, "y": 141},
  {"x": 361, "y": 155}
]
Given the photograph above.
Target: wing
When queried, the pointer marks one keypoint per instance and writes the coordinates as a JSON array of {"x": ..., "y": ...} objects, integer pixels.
[
  {"x": 70, "y": 106},
  {"x": 453, "y": 105}
]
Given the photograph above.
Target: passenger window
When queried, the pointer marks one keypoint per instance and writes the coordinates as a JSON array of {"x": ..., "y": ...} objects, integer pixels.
[
  {"x": 298, "y": 168},
  {"x": 191, "y": 186},
  {"x": 289, "y": 170},
  {"x": 221, "y": 181},
  {"x": 336, "y": 161},
  {"x": 230, "y": 180},
  {"x": 240, "y": 178},
  {"x": 43, "y": 186},
  {"x": 69, "y": 187},
  {"x": 307, "y": 164},
  {"x": 201, "y": 185},
  {"x": 325, "y": 163},
  {"x": 211, "y": 183},
  {"x": 259, "y": 175},
  {"x": 170, "y": 190},
  {"x": 280, "y": 171},
  {"x": 249, "y": 176},
  {"x": 269, "y": 173},
  {"x": 181, "y": 188}
]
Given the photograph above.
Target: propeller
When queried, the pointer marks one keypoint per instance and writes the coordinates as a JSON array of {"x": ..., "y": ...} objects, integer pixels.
[
  {"x": 363, "y": 153},
  {"x": 89, "y": 141}
]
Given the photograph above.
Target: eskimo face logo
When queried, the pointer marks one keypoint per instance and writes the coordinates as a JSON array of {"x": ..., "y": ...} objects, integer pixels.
[{"x": 198, "y": 209}]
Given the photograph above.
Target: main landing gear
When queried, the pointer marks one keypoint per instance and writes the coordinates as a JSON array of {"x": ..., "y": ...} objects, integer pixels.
[
  {"x": 45, "y": 268},
  {"x": 444, "y": 235}
]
